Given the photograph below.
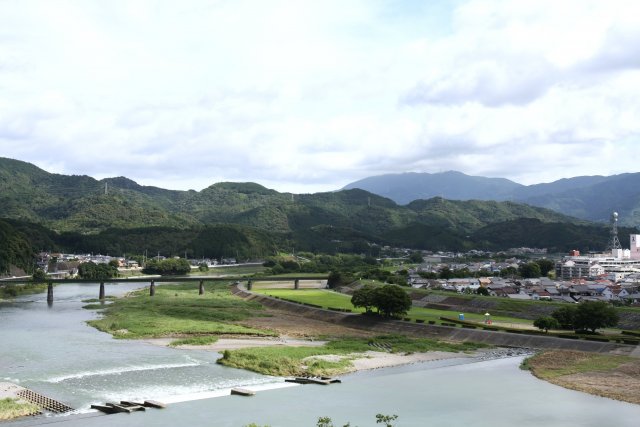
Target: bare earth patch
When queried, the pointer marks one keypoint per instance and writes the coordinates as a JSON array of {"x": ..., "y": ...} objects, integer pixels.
[
  {"x": 377, "y": 359},
  {"x": 238, "y": 343},
  {"x": 285, "y": 323},
  {"x": 615, "y": 377}
]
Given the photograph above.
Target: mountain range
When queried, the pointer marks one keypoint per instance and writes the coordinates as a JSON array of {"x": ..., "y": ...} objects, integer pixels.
[
  {"x": 41, "y": 210},
  {"x": 591, "y": 198}
]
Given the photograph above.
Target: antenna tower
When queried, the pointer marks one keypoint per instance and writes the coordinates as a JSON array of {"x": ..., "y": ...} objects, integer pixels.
[
  {"x": 614, "y": 242},
  {"x": 106, "y": 188}
]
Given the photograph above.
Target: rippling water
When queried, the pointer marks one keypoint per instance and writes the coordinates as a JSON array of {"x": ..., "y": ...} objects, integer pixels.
[{"x": 53, "y": 351}]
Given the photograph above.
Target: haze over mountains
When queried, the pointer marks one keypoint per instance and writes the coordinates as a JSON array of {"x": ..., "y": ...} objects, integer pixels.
[
  {"x": 591, "y": 198},
  {"x": 41, "y": 210}
]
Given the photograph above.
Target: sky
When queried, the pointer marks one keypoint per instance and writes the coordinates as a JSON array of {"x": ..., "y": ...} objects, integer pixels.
[{"x": 306, "y": 96}]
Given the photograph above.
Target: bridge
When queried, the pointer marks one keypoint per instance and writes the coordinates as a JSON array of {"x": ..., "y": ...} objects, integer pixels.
[{"x": 152, "y": 280}]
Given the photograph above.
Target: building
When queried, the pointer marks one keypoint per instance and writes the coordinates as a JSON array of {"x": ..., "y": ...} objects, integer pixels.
[{"x": 617, "y": 264}]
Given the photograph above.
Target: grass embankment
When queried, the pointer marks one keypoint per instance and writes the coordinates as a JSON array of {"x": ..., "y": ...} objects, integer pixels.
[
  {"x": 13, "y": 290},
  {"x": 613, "y": 376},
  {"x": 178, "y": 310},
  {"x": 297, "y": 361},
  {"x": 331, "y": 299},
  {"x": 14, "y": 408}
]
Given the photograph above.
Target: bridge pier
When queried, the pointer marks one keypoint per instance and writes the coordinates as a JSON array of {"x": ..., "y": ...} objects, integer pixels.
[
  {"x": 101, "y": 293},
  {"x": 296, "y": 284},
  {"x": 152, "y": 289},
  {"x": 50, "y": 292},
  {"x": 201, "y": 288},
  {"x": 249, "y": 285}
]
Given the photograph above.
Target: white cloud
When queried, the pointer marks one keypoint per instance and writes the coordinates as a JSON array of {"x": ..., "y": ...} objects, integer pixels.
[{"x": 306, "y": 96}]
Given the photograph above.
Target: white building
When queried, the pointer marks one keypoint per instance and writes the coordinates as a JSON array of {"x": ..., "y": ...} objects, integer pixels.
[
  {"x": 619, "y": 263},
  {"x": 634, "y": 246}
]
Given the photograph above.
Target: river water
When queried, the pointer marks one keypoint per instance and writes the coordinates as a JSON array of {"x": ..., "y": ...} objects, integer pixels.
[{"x": 51, "y": 350}]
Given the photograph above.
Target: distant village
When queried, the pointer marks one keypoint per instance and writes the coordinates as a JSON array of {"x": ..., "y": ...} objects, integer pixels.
[
  {"x": 60, "y": 265},
  {"x": 613, "y": 276}
]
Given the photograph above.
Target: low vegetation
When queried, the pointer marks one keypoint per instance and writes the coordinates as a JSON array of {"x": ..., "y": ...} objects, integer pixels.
[
  {"x": 178, "y": 310},
  {"x": 14, "y": 408},
  {"x": 298, "y": 361},
  {"x": 202, "y": 340},
  {"x": 12, "y": 291},
  {"x": 613, "y": 376}
]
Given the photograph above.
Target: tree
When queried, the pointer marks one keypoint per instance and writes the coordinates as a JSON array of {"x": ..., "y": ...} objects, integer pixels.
[
  {"x": 565, "y": 316},
  {"x": 416, "y": 257},
  {"x": 482, "y": 291},
  {"x": 529, "y": 270},
  {"x": 446, "y": 273},
  {"x": 91, "y": 270},
  {"x": 546, "y": 323},
  {"x": 546, "y": 265},
  {"x": 170, "y": 266},
  {"x": 364, "y": 297},
  {"x": 337, "y": 278},
  {"x": 391, "y": 301},
  {"x": 509, "y": 272},
  {"x": 592, "y": 315},
  {"x": 39, "y": 276}
]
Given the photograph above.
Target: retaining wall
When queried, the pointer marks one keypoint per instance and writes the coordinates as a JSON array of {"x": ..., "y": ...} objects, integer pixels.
[{"x": 385, "y": 326}]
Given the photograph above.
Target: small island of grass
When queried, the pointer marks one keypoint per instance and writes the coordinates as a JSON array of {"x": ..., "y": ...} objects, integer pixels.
[
  {"x": 333, "y": 358},
  {"x": 178, "y": 311}
]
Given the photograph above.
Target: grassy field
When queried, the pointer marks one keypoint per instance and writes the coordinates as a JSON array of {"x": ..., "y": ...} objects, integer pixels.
[
  {"x": 12, "y": 408},
  {"x": 326, "y": 299},
  {"x": 297, "y": 361},
  {"x": 178, "y": 310}
]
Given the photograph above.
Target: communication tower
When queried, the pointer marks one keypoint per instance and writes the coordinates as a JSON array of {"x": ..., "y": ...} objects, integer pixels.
[{"x": 614, "y": 242}]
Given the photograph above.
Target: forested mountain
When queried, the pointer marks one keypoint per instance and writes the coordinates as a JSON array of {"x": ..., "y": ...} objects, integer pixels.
[
  {"x": 406, "y": 187},
  {"x": 592, "y": 198},
  {"x": 15, "y": 249},
  {"x": 75, "y": 213}
]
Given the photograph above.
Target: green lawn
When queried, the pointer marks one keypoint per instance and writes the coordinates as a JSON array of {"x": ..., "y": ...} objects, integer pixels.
[
  {"x": 178, "y": 310},
  {"x": 327, "y": 298}
]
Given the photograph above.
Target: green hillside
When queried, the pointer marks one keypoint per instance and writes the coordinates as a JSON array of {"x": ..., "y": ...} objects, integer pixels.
[
  {"x": 249, "y": 220},
  {"x": 15, "y": 249}
]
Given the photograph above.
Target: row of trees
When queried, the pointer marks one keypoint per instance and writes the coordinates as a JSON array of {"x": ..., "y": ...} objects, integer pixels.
[
  {"x": 168, "y": 267},
  {"x": 91, "y": 270},
  {"x": 586, "y": 316},
  {"x": 387, "y": 300},
  {"x": 343, "y": 268},
  {"x": 533, "y": 269}
]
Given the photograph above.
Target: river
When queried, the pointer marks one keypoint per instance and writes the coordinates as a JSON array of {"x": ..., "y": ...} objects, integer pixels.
[{"x": 51, "y": 350}]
